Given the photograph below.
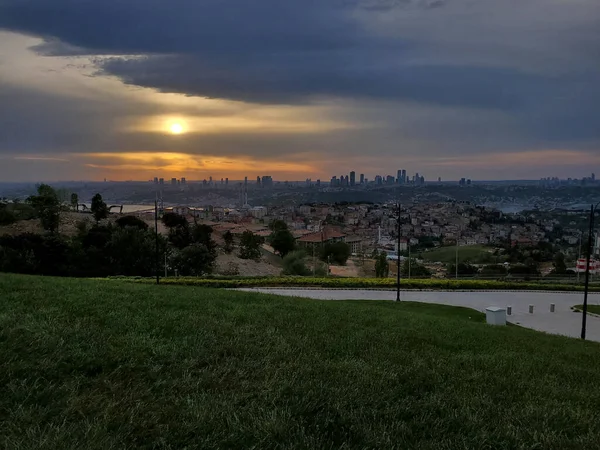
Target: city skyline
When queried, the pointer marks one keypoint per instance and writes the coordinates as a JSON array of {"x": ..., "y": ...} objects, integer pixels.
[{"x": 487, "y": 90}]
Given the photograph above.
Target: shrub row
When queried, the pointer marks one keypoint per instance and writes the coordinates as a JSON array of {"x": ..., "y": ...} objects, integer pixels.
[{"x": 369, "y": 283}]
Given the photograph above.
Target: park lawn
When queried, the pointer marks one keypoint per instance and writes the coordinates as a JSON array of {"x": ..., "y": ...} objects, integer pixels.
[
  {"x": 96, "y": 364},
  {"x": 474, "y": 254},
  {"x": 594, "y": 309}
]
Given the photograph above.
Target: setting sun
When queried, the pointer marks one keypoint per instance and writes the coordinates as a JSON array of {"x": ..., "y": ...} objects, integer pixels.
[{"x": 176, "y": 128}]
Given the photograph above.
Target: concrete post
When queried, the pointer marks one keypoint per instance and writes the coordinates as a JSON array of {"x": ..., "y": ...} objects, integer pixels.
[
  {"x": 530, "y": 309},
  {"x": 509, "y": 310},
  {"x": 552, "y": 307}
]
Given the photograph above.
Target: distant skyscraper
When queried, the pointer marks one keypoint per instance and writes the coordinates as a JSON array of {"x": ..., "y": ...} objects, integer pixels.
[
  {"x": 226, "y": 181},
  {"x": 161, "y": 181},
  {"x": 267, "y": 181},
  {"x": 318, "y": 183},
  {"x": 210, "y": 181},
  {"x": 593, "y": 177},
  {"x": 390, "y": 179},
  {"x": 378, "y": 179},
  {"x": 333, "y": 181},
  {"x": 399, "y": 176},
  {"x": 439, "y": 179},
  {"x": 155, "y": 180},
  {"x": 403, "y": 176},
  {"x": 352, "y": 178},
  {"x": 258, "y": 180},
  {"x": 183, "y": 182},
  {"x": 362, "y": 178},
  {"x": 173, "y": 181},
  {"x": 245, "y": 181}
]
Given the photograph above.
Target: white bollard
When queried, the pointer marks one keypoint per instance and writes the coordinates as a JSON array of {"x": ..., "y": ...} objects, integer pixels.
[
  {"x": 509, "y": 310},
  {"x": 530, "y": 309},
  {"x": 552, "y": 307}
]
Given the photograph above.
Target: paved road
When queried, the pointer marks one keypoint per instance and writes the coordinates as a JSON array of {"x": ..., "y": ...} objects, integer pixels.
[{"x": 562, "y": 321}]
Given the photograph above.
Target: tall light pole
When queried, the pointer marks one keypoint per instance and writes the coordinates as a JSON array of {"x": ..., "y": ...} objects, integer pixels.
[
  {"x": 399, "y": 232},
  {"x": 593, "y": 210},
  {"x": 156, "y": 242}
]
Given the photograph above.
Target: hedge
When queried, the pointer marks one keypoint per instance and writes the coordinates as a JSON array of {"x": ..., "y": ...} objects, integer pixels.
[{"x": 368, "y": 283}]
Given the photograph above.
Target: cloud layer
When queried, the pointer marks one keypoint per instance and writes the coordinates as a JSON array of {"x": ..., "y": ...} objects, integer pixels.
[{"x": 412, "y": 80}]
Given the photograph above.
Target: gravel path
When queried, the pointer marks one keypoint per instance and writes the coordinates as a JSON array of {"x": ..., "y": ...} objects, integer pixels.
[{"x": 562, "y": 321}]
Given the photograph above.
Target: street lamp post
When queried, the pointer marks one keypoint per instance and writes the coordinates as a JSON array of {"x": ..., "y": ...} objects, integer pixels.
[
  {"x": 593, "y": 211},
  {"x": 156, "y": 241},
  {"x": 399, "y": 231}
]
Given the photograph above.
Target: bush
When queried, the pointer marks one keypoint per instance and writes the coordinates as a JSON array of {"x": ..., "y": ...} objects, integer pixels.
[
  {"x": 338, "y": 252},
  {"x": 131, "y": 221},
  {"x": 294, "y": 264}
]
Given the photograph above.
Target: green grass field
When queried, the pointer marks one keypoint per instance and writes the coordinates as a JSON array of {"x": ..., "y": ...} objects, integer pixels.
[
  {"x": 594, "y": 309},
  {"x": 474, "y": 254},
  {"x": 104, "y": 364}
]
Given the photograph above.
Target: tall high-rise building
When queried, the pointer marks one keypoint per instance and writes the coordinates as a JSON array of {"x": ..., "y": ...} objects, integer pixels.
[
  {"x": 226, "y": 181},
  {"x": 390, "y": 179},
  {"x": 362, "y": 178},
  {"x": 346, "y": 181},
  {"x": 352, "y": 178},
  {"x": 155, "y": 180},
  {"x": 210, "y": 181},
  {"x": 258, "y": 180},
  {"x": 267, "y": 181},
  {"x": 245, "y": 181},
  {"x": 593, "y": 177},
  {"x": 399, "y": 176},
  {"x": 378, "y": 179},
  {"x": 173, "y": 181},
  {"x": 318, "y": 183},
  {"x": 183, "y": 182},
  {"x": 333, "y": 181},
  {"x": 161, "y": 181},
  {"x": 403, "y": 176}
]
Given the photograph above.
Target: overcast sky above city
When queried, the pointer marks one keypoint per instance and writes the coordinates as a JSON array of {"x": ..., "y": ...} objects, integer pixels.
[{"x": 483, "y": 89}]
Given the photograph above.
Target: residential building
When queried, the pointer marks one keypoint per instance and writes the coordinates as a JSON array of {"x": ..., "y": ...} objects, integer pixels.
[
  {"x": 327, "y": 235},
  {"x": 352, "y": 178}
]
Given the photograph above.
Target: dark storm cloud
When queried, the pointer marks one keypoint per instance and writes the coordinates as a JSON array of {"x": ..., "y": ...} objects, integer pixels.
[{"x": 298, "y": 52}]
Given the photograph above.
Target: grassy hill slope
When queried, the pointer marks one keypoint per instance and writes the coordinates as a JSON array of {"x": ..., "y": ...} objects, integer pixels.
[{"x": 102, "y": 364}]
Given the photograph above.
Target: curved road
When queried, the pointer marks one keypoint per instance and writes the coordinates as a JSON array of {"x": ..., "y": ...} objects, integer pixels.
[{"x": 562, "y": 321}]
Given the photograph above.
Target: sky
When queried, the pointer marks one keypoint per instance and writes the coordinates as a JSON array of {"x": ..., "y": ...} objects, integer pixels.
[{"x": 130, "y": 90}]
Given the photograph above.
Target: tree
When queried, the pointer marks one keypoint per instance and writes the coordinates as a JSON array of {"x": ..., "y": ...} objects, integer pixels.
[
  {"x": 282, "y": 241},
  {"x": 250, "y": 245},
  {"x": 6, "y": 216},
  {"x": 131, "y": 221},
  {"x": 180, "y": 236},
  {"x": 228, "y": 238},
  {"x": 47, "y": 207},
  {"x": 277, "y": 225},
  {"x": 99, "y": 208},
  {"x": 75, "y": 201},
  {"x": 194, "y": 260},
  {"x": 171, "y": 220},
  {"x": 294, "y": 264},
  {"x": 559, "y": 264},
  {"x": 133, "y": 251},
  {"x": 382, "y": 267},
  {"x": 338, "y": 252}
]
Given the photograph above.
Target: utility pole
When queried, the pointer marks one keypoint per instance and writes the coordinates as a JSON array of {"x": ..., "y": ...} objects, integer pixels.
[
  {"x": 456, "y": 263},
  {"x": 398, "y": 254}
]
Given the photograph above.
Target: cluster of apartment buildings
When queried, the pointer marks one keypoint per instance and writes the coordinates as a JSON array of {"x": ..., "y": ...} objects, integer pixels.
[{"x": 369, "y": 227}]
